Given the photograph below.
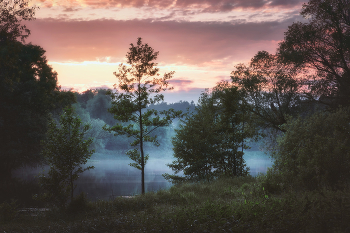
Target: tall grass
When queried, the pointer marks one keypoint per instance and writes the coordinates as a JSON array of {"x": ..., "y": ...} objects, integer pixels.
[{"x": 225, "y": 205}]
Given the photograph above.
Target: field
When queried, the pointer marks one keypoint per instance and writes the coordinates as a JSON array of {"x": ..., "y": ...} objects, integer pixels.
[{"x": 223, "y": 205}]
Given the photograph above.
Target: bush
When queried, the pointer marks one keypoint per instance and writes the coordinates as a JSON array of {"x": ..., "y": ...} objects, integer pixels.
[{"x": 314, "y": 153}]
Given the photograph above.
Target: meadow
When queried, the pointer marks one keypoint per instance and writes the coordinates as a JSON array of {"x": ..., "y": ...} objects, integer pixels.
[{"x": 239, "y": 204}]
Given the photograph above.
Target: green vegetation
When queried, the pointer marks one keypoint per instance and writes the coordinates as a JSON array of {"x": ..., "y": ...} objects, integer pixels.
[
  {"x": 28, "y": 93},
  {"x": 92, "y": 108},
  {"x": 210, "y": 141},
  {"x": 314, "y": 153},
  {"x": 139, "y": 86},
  {"x": 65, "y": 151},
  {"x": 306, "y": 190},
  {"x": 239, "y": 204},
  {"x": 270, "y": 89}
]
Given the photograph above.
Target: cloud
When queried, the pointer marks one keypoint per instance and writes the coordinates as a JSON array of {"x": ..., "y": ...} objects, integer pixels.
[
  {"x": 193, "y": 43},
  {"x": 191, "y": 94},
  {"x": 71, "y": 9},
  {"x": 200, "y": 5},
  {"x": 180, "y": 82}
]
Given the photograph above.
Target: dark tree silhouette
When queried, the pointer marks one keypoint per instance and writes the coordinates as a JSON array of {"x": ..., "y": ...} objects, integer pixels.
[{"x": 322, "y": 47}]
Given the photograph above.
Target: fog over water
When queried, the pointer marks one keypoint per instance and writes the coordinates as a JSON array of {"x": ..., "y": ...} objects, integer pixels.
[{"x": 113, "y": 176}]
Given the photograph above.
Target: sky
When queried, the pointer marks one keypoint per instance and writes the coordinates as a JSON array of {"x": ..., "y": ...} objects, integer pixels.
[{"x": 201, "y": 40}]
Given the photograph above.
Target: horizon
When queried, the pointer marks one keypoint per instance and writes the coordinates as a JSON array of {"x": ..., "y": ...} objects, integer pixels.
[{"x": 201, "y": 41}]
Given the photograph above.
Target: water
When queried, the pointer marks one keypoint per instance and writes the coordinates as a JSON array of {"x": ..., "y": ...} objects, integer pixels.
[
  {"x": 258, "y": 162},
  {"x": 111, "y": 178},
  {"x": 114, "y": 177}
]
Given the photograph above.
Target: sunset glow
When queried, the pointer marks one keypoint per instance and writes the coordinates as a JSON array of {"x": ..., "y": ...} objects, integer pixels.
[{"x": 201, "y": 40}]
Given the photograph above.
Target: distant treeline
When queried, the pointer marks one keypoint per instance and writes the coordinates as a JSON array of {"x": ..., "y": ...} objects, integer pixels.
[{"x": 92, "y": 108}]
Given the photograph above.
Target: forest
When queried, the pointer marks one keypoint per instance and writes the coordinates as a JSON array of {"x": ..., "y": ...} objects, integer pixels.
[
  {"x": 294, "y": 105},
  {"x": 92, "y": 106}
]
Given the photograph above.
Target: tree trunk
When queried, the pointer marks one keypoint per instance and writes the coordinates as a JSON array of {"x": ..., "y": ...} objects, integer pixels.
[
  {"x": 142, "y": 156},
  {"x": 142, "y": 168},
  {"x": 71, "y": 186}
]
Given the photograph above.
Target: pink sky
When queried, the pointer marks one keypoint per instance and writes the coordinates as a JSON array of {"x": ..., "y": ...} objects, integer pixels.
[{"x": 201, "y": 40}]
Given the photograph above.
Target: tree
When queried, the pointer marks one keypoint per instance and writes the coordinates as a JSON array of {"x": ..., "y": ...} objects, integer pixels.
[
  {"x": 65, "y": 151},
  {"x": 28, "y": 93},
  {"x": 314, "y": 153},
  {"x": 272, "y": 90},
  {"x": 322, "y": 47},
  {"x": 208, "y": 141},
  {"x": 12, "y": 12},
  {"x": 236, "y": 119},
  {"x": 137, "y": 82},
  {"x": 85, "y": 96},
  {"x": 98, "y": 106}
]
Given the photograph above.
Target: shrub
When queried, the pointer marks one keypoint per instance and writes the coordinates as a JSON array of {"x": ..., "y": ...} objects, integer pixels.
[{"x": 314, "y": 153}]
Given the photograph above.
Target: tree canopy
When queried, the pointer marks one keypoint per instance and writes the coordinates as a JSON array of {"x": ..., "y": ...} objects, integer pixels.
[
  {"x": 271, "y": 89},
  {"x": 314, "y": 153},
  {"x": 12, "y": 12},
  {"x": 207, "y": 144},
  {"x": 322, "y": 47},
  {"x": 28, "y": 91}
]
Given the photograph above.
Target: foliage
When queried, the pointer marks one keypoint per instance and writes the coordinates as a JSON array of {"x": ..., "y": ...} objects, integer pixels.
[
  {"x": 89, "y": 110},
  {"x": 237, "y": 204},
  {"x": 65, "y": 151},
  {"x": 314, "y": 153},
  {"x": 270, "y": 88},
  {"x": 98, "y": 106},
  {"x": 85, "y": 96},
  {"x": 322, "y": 47},
  {"x": 207, "y": 143},
  {"x": 12, "y": 12},
  {"x": 28, "y": 92},
  {"x": 183, "y": 106},
  {"x": 137, "y": 82}
]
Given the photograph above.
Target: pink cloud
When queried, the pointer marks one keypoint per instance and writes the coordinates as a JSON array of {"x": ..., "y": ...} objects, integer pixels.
[
  {"x": 194, "y": 43},
  {"x": 180, "y": 82},
  {"x": 201, "y": 5}
]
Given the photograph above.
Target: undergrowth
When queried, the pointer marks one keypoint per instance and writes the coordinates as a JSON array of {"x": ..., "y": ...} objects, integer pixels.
[{"x": 240, "y": 204}]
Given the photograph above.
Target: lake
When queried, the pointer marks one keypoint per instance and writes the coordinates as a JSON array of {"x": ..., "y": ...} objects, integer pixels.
[{"x": 111, "y": 178}]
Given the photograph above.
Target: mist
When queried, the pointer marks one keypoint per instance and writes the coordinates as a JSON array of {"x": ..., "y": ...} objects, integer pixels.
[{"x": 112, "y": 175}]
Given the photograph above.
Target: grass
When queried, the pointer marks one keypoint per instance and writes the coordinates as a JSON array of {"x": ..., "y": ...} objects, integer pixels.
[{"x": 224, "y": 205}]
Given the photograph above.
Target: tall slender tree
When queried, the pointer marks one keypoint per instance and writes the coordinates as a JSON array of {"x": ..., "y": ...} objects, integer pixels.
[{"x": 139, "y": 86}]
